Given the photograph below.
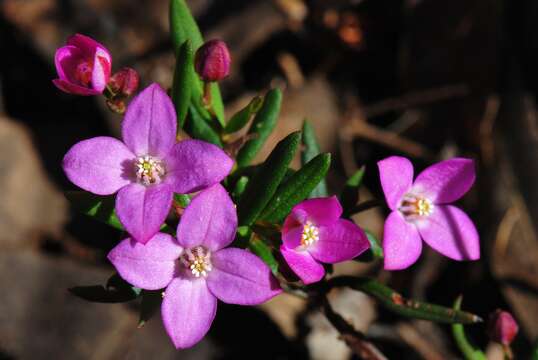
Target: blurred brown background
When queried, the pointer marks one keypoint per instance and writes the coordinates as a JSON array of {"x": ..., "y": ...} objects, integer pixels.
[{"x": 421, "y": 78}]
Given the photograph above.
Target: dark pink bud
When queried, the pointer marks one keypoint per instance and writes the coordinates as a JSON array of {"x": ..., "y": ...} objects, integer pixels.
[
  {"x": 124, "y": 83},
  {"x": 83, "y": 66},
  {"x": 212, "y": 61},
  {"x": 502, "y": 327}
]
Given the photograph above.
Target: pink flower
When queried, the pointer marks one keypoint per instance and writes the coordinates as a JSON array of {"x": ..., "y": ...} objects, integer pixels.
[
  {"x": 83, "y": 66},
  {"x": 148, "y": 166},
  {"x": 421, "y": 209},
  {"x": 313, "y": 232},
  {"x": 502, "y": 327},
  {"x": 196, "y": 269}
]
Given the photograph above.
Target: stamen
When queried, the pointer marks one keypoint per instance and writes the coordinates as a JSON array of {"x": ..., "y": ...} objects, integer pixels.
[
  {"x": 414, "y": 206},
  {"x": 83, "y": 72},
  {"x": 149, "y": 170},
  {"x": 197, "y": 260},
  {"x": 310, "y": 234}
]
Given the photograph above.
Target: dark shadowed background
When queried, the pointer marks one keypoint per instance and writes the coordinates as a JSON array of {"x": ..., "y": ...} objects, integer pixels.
[{"x": 421, "y": 78}]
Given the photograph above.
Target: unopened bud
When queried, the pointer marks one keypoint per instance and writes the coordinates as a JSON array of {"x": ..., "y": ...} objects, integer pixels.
[
  {"x": 124, "y": 83},
  {"x": 502, "y": 327},
  {"x": 212, "y": 61}
]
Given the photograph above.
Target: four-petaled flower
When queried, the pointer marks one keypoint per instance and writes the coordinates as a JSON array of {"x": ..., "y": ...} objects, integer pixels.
[
  {"x": 421, "y": 209},
  {"x": 83, "y": 66},
  {"x": 196, "y": 269},
  {"x": 148, "y": 166},
  {"x": 314, "y": 232}
]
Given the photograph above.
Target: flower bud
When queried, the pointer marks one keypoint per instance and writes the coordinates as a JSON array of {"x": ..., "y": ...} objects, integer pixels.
[
  {"x": 212, "y": 61},
  {"x": 124, "y": 83},
  {"x": 502, "y": 327},
  {"x": 83, "y": 66}
]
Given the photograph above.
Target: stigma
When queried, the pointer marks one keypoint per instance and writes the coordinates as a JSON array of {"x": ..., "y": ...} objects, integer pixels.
[
  {"x": 414, "y": 206},
  {"x": 149, "y": 170},
  {"x": 310, "y": 234},
  {"x": 197, "y": 260}
]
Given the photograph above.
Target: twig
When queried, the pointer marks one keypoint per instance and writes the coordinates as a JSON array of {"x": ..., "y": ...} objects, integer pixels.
[{"x": 356, "y": 340}]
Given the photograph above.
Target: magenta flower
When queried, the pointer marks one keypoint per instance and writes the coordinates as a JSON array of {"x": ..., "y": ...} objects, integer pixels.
[
  {"x": 148, "y": 166},
  {"x": 196, "y": 269},
  {"x": 421, "y": 209},
  {"x": 313, "y": 232},
  {"x": 83, "y": 66}
]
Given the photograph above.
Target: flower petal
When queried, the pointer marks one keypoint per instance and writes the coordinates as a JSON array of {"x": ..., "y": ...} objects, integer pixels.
[
  {"x": 446, "y": 181},
  {"x": 401, "y": 242},
  {"x": 239, "y": 277},
  {"x": 188, "y": 309},
  {"x": 66, "y": 60},
  {"x": 88, "y": 46},
  {"x": 101, "y": 165},
  {"x": 339, "y": 242},
  {"x": 396, "y": 175},
  {"x": 142, "y": 210},
  {"x": 101, "y": 70},
  {"x": 449, "y": 231},
  {"x": 292, "y": 237},
  {"x": 75, "y": 89},
  {"x": 193, "y": 165},
  {"x": 150, "y": 266},
  {"x": 321, "y": 211},
  {"x": 149, "y": 126},
  {"x": 303, "y": 264},
  {"x": 209, "y": 220}
]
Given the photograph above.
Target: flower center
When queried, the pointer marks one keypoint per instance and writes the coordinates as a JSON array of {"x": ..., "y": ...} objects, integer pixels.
[
  {"x": 310, "y": 234},
  {"x": 197, "y": 260},
  {"x": 149, "y": 170},
  {"x": 83, "y": 72},
  {"x": 413, "y": 206}
]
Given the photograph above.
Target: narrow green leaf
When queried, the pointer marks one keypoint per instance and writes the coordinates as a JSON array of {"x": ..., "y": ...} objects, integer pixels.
[
  {"x": 296, "y": 188},
  {"x": 258, "y": 247},
  {"x": 182, "y": 86},
  {"x": 198, "y": 128},
  {"x": 311, "y": 150},
  {"x": 182, "y": 28},
  {"x": 150, "y": 304},
  {"x": 98, "y": 207},
  {"x": 375, "y": 252},
  {"x": 239, "y": 187},
  {"x": 182, "y": 199},
  {"x": 117, "y": 290},
  {"x": 350, "y": 194},
  {"x": 262, "y": 186},
  {"x": 458, "y": 332},
  {"x": 263, "y": 124},
  {"x": 396, "y": 303},
  {"x": 241, "y": 118}
]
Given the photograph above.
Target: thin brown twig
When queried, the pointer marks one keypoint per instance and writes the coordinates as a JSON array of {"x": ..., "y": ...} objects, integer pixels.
[{"x": 356, "y": 340}]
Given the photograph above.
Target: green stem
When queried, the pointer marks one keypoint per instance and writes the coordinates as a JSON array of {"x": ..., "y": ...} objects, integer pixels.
[{"x": 458, "y": 332}]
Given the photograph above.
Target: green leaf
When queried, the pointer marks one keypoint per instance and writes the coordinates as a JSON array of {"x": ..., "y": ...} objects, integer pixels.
[
  {"x": 263, "y": 184},
  {"x": 239, "y": 187},
  {"x": 182, "y": 28},
  {"x": 241, "y": 118},
  {"x": 263, "y": 124},
  {"x": 264, "y": 251},
  {"x": 150, "y": 304},
  {"x": 458, "y": 332},
  {"x": 182, "y": 86},
  {"x": 182, "y": 199},
  {"x": 98, "y": 207},
  {"x": 311, "y": 150},
  {"x": 375, "y": 252},
  {"x": 350, "y": 194},
  {"x": 296, "y": 188},
  {"x": 396, "y": 303},
  {"x": 200, "y": 129},
  {"x": 117, "y": 290}
]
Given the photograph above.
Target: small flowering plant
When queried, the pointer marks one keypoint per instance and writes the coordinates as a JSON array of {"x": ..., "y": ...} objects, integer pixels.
[{"x": 202, "y": 224}]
